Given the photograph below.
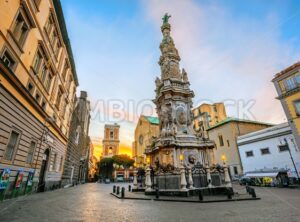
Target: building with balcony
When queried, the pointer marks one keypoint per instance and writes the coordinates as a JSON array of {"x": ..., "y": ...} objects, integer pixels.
[
  {"x": 287, "y": 84},
  {"x": 37, "y": 92}
]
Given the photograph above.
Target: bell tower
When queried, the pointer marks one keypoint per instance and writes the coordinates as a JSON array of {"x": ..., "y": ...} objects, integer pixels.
[{"x": 111, "y": 140}]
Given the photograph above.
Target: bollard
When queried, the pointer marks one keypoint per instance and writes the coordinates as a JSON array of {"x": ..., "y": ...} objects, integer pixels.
[
  {"x": 118, "y": 190},
  {"x": 229, "y": 194},
  {"x": 114, "y": 189},
  {"x": 247, "y": 188},
  {"x": 200, "y": 195},
  {"x": 253, "y": 193},
  {"x": 129, "y": 188},
  {"x": 123, "y": 192},
  {"x": 157, "y": 193}
]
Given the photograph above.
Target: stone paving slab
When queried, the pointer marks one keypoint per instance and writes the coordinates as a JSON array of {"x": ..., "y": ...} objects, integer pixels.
[{"x": 93, "y": 202}]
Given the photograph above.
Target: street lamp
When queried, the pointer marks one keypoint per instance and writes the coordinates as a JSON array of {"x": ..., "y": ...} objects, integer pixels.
[
  {"x": 286, "y": 143},
  {"x": 181, "y": 157},
  {"x": 223, "y": 158},
  {"x": 148, "y": 160}
]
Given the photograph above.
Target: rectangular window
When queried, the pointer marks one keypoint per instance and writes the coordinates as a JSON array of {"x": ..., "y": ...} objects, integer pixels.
[
  {"x": 56, "y": 48},
  {"x": 43, "y": 73},
  {"x": 48, "y": 81},
  {"x": 31, "y": 152},
  {"x": 64, "y": 73},
  {"x": 30, "y": 88},
  {"x": 221, "y": 140},
  {"x": 37, "y": 62},
  {"x": 283, "y": 148},
  {"x": 58, "y": 98},
  {"x": 8, "y": 60},
  {"x": 49, "y": 24},
  {"x": 249, "y": 153},
  {"x": 290, "y": 83},
  {"x": 37, "y": 97},
  {"x": 54, "y": 161},
  {"x": 282, "y": 86},
  {"x": 20, "y": 29},
  {"x": 11, "y": 146},
  {"x": 265, "y": 151},
  {"x": 235, "y": 169},
  {"x": 297, "y": 107},
  {"x": 228, "y": 144},
  {"x": 297, "y": 77},
  {"x": 43, "y": 105},
  {"x": 53, "y": 38},
  {"x": 111, "y": 134}
]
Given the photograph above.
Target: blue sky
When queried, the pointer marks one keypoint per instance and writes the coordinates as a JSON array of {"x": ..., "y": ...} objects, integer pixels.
[{"x": 230, "y": 50}]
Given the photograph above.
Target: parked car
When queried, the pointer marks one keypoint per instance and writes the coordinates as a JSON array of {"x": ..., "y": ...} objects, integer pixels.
[
  {"x": 246, "y": 181},
  {"x": 235, "y": 178},
  {"x": 120, "y": 179},
  {"x": 107, "y": 181}
]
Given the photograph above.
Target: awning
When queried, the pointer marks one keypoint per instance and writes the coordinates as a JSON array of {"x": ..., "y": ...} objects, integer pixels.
[{"x": 262, "y": 174}]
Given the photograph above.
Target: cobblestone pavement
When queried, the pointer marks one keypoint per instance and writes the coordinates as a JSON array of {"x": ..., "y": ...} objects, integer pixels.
[{"x": 92, "y": 202}]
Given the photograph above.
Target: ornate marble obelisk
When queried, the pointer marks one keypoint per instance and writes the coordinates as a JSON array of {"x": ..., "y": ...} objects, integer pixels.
[{"x": 173, "y": 102}]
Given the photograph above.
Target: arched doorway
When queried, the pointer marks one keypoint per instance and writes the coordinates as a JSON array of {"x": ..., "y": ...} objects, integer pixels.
[{"x": 41, "y": 186}]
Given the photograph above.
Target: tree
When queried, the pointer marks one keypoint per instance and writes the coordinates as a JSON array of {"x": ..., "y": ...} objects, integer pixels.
[
  {"x": 123, "y": 160},
  {"x": 106, "y": 167},
  {"x": 106, "y": 164}
]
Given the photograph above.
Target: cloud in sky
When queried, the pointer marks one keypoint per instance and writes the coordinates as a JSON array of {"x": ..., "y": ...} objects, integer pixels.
[
  {"x": 229, "y": 58},
  {"x": 230, "y": 49}
]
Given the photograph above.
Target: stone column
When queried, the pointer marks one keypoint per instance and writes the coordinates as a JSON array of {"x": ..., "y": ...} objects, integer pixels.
[
  {"x": 208, "y": 175},
  {"x": 183, "y": 182},
  {"x": 148, "y": 179},
  {"x": 191, "y": 183},
  {"x": 135, "y": 179},
  {"x": 227, "y": 177}
]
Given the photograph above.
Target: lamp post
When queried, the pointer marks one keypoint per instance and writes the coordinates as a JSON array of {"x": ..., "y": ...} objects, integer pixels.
[
  {"x": 286, "y": 143},
  {"x": 134, "y": 176},
  {"x": 226, "y": 173},
  {"x": 183, "y": 182},
  {"x": 223, "y": 158},
  {"x": 148, "y": 175}
]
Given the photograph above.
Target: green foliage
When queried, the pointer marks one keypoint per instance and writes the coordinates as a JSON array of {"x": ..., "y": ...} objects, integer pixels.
[
  {"x": 106, "y": 164},
  {"x": 123, "y": 160}
]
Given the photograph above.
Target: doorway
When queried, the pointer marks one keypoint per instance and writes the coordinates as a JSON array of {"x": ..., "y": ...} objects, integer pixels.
[{"x": 41, "y": 186}]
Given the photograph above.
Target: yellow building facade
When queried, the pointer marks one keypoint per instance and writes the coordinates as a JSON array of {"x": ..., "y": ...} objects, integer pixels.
[
  {"x": 147, "y": 127},
  {"x": 225, "y": 134},
  {"x": 287, "y": 84},
  {"x": 37, "y": 90},
  {"x": 207, "y": 115}
]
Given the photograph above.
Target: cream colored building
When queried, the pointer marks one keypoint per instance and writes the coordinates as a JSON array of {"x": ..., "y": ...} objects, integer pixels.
[
  {"x": 225, "y": 134},
  {"x": 147, "y": 127},
  {"x": 207, "y": 115},
  {"x": 37, "y": 89}
]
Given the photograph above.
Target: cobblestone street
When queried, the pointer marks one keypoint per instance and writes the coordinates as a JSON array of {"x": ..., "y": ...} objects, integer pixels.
[{"x": 92, "y": 202}]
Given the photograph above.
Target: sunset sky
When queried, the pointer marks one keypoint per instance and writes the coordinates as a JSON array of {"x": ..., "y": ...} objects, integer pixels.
[{"x": 230, "y": 50}]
